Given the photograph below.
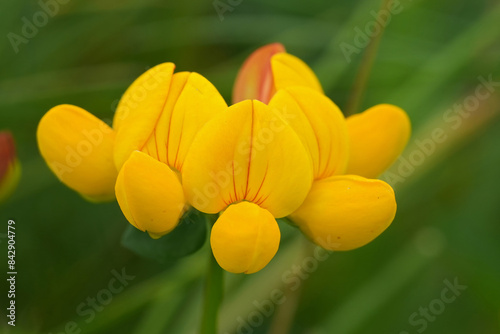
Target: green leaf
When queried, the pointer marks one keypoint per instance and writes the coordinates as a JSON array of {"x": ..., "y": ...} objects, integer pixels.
[{"x": 185, "y": 239}]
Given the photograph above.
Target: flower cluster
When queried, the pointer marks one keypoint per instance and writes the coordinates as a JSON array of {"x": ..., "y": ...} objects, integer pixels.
[{"x": 282, "y": 149}]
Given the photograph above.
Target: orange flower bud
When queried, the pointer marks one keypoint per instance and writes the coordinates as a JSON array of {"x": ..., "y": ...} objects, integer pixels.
[
  {"x": 255, "y": 78},
  {"x": 10, "y": 170}
]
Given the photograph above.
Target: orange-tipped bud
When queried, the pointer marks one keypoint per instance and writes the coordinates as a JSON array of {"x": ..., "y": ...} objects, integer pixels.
[
  {"x": 10, "y": 170},
  {"x": 255, "y": 78}
]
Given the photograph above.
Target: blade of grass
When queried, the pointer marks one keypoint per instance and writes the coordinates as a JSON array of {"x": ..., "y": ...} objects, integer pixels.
[
  {"x": 365, "y": 68},
  {"x": 160, "y": 313},
  {"x": 396, "y": 274},
  {"x": 446, "y": 62},
  {"x": 332, "y": 64}
]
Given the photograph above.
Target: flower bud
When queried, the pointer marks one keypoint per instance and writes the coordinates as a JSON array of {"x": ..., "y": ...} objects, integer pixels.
[
  {"x": 255, "y": 78},
  {"x": 10, "y": 168}
]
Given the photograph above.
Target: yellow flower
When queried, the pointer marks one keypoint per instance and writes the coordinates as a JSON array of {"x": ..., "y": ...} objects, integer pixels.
[
  {"x": 157, "y": 123},
  {"x": 141, "y": 159},
  {"x": 346, "y": 208},
  {"x": 283, "y": 149},
  {"x": 10, "y": 168},
  {"x": 78, "y": 148},
  {"x": 249, "y": 164}
]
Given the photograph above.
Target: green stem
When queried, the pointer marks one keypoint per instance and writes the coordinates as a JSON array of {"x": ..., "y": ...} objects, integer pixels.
[
  {"x": 286, "y": 313},
  {"x": 365, "y": 69},
  {"x": 214, "y": 291}
]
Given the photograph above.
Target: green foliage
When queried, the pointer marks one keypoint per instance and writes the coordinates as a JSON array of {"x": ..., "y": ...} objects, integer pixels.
[{"x": 188, "y": 237}]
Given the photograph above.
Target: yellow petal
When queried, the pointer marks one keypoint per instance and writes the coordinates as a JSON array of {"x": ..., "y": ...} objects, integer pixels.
[
  {"x": 247, "y": 153},
  {"x": 377, "y": 137},
  {"x": 245, "y": 238},
  {"x": 143, "y": 99},
  {"x": 255, "y": 78},
  {"x": 140, "y": 109},
  {"x": 78, "y": 148},
  {"x": 198, "y": 102},
  {"x": 164, "y": 125},
  {"x": 290, "y": 71},
  {"x": 320, "y": 124},
  {"x": 346, "y": 212},
  {"x": 150, "y": 194}
]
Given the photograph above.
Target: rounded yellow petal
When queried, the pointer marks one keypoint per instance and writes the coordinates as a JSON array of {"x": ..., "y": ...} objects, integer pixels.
[
  {"x": 290, "y": 71},
  {"x": 377, "y": 137},
  {"x": 255, "y": 78},
  {"x": 346, "y": 212},
  {"x": 164, "y": 125},
  {"x": 245, "y": 238},
  {"x": 78, "y": 148},
  {"x": 150, "y": 194},
  {"x": 320, "y": 124},
  {"x": 247, "y": 153}
]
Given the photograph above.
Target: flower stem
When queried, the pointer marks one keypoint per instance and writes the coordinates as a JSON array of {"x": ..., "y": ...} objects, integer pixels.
[
  {"x": 286, "y": 313},
  {"x": 214, "y": 291}
]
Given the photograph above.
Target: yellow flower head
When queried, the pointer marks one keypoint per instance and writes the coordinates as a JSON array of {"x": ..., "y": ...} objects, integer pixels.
[
  {"x": 140, "y": 159},
  {"x": 249, "y": 164},
  {"x": 282, "y": 149},
  {"x": 156, "y": 122},
  {"x": 345, "y": 208}
]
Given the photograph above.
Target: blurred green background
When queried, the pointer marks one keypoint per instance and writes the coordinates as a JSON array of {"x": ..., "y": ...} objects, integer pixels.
[{"x": 448, "y": 221}]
